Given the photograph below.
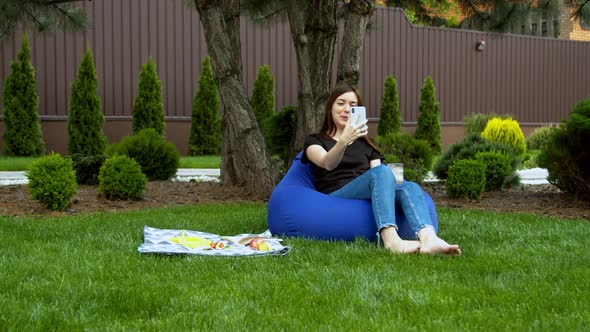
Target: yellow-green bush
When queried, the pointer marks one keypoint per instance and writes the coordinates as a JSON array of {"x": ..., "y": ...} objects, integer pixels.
[{"x": 506, "y": 131}]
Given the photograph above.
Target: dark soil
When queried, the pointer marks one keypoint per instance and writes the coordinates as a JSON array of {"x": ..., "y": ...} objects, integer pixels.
[{"x": 545, "y": 200}]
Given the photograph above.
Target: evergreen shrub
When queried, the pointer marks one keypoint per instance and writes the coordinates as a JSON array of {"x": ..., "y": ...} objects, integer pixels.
[
  {"x": 467, "y": 179},
  {"x": 121, "y": 178},
  {"x": 415, "y": 154},
  {"x": 205, "y": 134},
  {"x": 85, "y": 118},
  {"x": 20, "y": 108},
  {"x": 390, "y": 117},
  {"x": 158, "y": 158},
  {"x": 263, "y": 96},
  {"x": 539, "y": 137},
  {"x": 148, "y": 107},
  {"x": 467, "y": 149},
  {"x": 278, "y": 132},
  {"x": 475, "y": 123},
  {"x": 498, "y": 168},
  {"x": 566, "y": 155},
  {"x": 52, "y": 181},
  {"x": 428, "y": 127},
  {"x": 87, "y": 167},
  {"x": 531, "y": 159},
  {"x": 506, "y": 131}
]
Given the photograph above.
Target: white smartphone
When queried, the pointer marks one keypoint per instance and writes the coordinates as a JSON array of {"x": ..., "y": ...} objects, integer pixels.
[{"x": 358, "y": 113}]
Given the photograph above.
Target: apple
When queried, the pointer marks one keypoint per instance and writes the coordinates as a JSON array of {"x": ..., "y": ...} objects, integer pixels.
[{"x": 260, "y": 244}]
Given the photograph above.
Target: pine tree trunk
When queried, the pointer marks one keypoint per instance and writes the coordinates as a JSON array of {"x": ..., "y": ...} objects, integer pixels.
[
  {"x": 245, "y": 161},
  {"x": 359, "y": 14},
  {"x": 313, "y": 30}
]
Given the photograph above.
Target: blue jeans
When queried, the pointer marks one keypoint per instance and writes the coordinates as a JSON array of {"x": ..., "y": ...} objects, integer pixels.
[{"x": 378, "y": 185}]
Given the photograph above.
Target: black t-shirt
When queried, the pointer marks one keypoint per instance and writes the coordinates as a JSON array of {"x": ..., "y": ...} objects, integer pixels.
[{"x": 355, "y": 161}]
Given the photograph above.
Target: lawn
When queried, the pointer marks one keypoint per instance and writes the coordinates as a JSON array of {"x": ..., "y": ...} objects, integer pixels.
[
  {"x": 24, "y": 163},
  {"x": 518, "y": 272}
]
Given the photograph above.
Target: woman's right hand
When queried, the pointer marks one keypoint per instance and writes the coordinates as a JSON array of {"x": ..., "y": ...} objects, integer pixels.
[{"x": 353, "y": 130}]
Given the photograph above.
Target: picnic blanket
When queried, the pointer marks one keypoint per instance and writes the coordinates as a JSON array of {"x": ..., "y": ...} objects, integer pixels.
[{"x": 172, "y": 241}]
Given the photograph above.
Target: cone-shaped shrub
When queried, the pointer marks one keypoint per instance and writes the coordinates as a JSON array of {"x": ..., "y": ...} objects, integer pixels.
[
  {"x": 390, "y": 119},
  {"x": 263, "y": 95},
  {"x": 148, "y": 109},
  {"x": 205, "y": 134},
  {"x": 20, "y": 107},
  {"x": 85, "y": 119},
  {"x": 428, "y": 127}
]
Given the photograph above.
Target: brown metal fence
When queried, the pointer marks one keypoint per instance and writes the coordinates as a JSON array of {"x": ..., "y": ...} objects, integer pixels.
[{"x": 535, "y": 79}]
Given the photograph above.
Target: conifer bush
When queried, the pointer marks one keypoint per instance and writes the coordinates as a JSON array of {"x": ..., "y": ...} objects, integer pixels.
[
  {"x": 428, "y": 127},
  {"x": 52, "y": 181},
  {"x": 20, "y": 108},
  {"x": 467, "y": 149},
  {"x": 263, "y": 95},
  {"x": 148, "y": 108},
  {"x": 158, "y": 158},
  {"x": 415, "y": 154},
  {"x": 205, "y": 134},
  {"x": 566, "y": 155},
  {"x": 87, "y": 167},
  {"x": 506, "y": 131},
  {"x": 278, "y": 132},
  {"x": 121, "y": 178},
  {"x": 390, "y": 117},
  {"x": 539, "y": 137},
  {"x": 85, "y": 119},
  {"x": 467, "y": 179},
  {"x": 475, "y": 123},
  {"x": 498, "y": 168},
  {"x": 86, "y": 139}
]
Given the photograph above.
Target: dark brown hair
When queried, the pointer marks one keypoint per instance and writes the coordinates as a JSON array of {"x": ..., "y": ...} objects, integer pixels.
[{"x": 328, "y": 126}]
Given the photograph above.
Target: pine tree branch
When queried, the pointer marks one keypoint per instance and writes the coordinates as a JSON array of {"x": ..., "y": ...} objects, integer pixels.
[
  {"x": 33, "y": 17},
  {"x": 65, "y": 13},
  {"x": 506, "y": 17},
  {"x": 578, "y": 11},
  {"x": 57, "y": 2},
  {"x": 476, "y": 10}
]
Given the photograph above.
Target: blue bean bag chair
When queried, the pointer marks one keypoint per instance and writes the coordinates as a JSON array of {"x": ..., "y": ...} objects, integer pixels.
[{"x": 296, "y": 209}]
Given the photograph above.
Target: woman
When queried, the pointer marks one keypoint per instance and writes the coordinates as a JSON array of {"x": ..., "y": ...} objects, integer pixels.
[{"x": 347, "y": 164}]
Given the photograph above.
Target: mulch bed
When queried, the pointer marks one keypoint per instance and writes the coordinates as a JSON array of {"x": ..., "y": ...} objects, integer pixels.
[{"x": 545, "y": 200}]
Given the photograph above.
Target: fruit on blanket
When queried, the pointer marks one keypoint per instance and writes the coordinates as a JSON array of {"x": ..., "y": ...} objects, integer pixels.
[
  {"x": 260, "y": 244},
  {"x": 219, "y": 245}
]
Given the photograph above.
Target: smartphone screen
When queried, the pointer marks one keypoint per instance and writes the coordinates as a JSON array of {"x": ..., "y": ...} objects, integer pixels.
[{"x": 358, "y": 114}]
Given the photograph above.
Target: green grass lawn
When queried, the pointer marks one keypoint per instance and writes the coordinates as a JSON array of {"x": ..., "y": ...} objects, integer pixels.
[
  {"x": 16, "y": 163},
  {"x": 518, "y": 272},
  {"x": 24, "y": 163}
]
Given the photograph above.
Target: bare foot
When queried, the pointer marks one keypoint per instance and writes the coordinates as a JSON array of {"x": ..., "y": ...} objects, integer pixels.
[
  {"x": 403, "y": 246},
  {"x": 436, "y": 245}
]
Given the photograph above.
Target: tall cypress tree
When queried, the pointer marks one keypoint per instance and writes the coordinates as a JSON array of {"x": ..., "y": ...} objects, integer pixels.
[
  {"x": 22, "y": 135},
  {"x": 85, "y": 121},
  {"x": 205, "y": 134},
  {"x": 429, "y": 119},
  {"x": 148, "y": 109},
  {"x": 263, "y": 95},
  {"x": 390, "y": 119}
]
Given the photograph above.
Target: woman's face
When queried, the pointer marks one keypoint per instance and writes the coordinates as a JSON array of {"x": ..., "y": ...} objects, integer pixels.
[{"x": 341, "y": 108}]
